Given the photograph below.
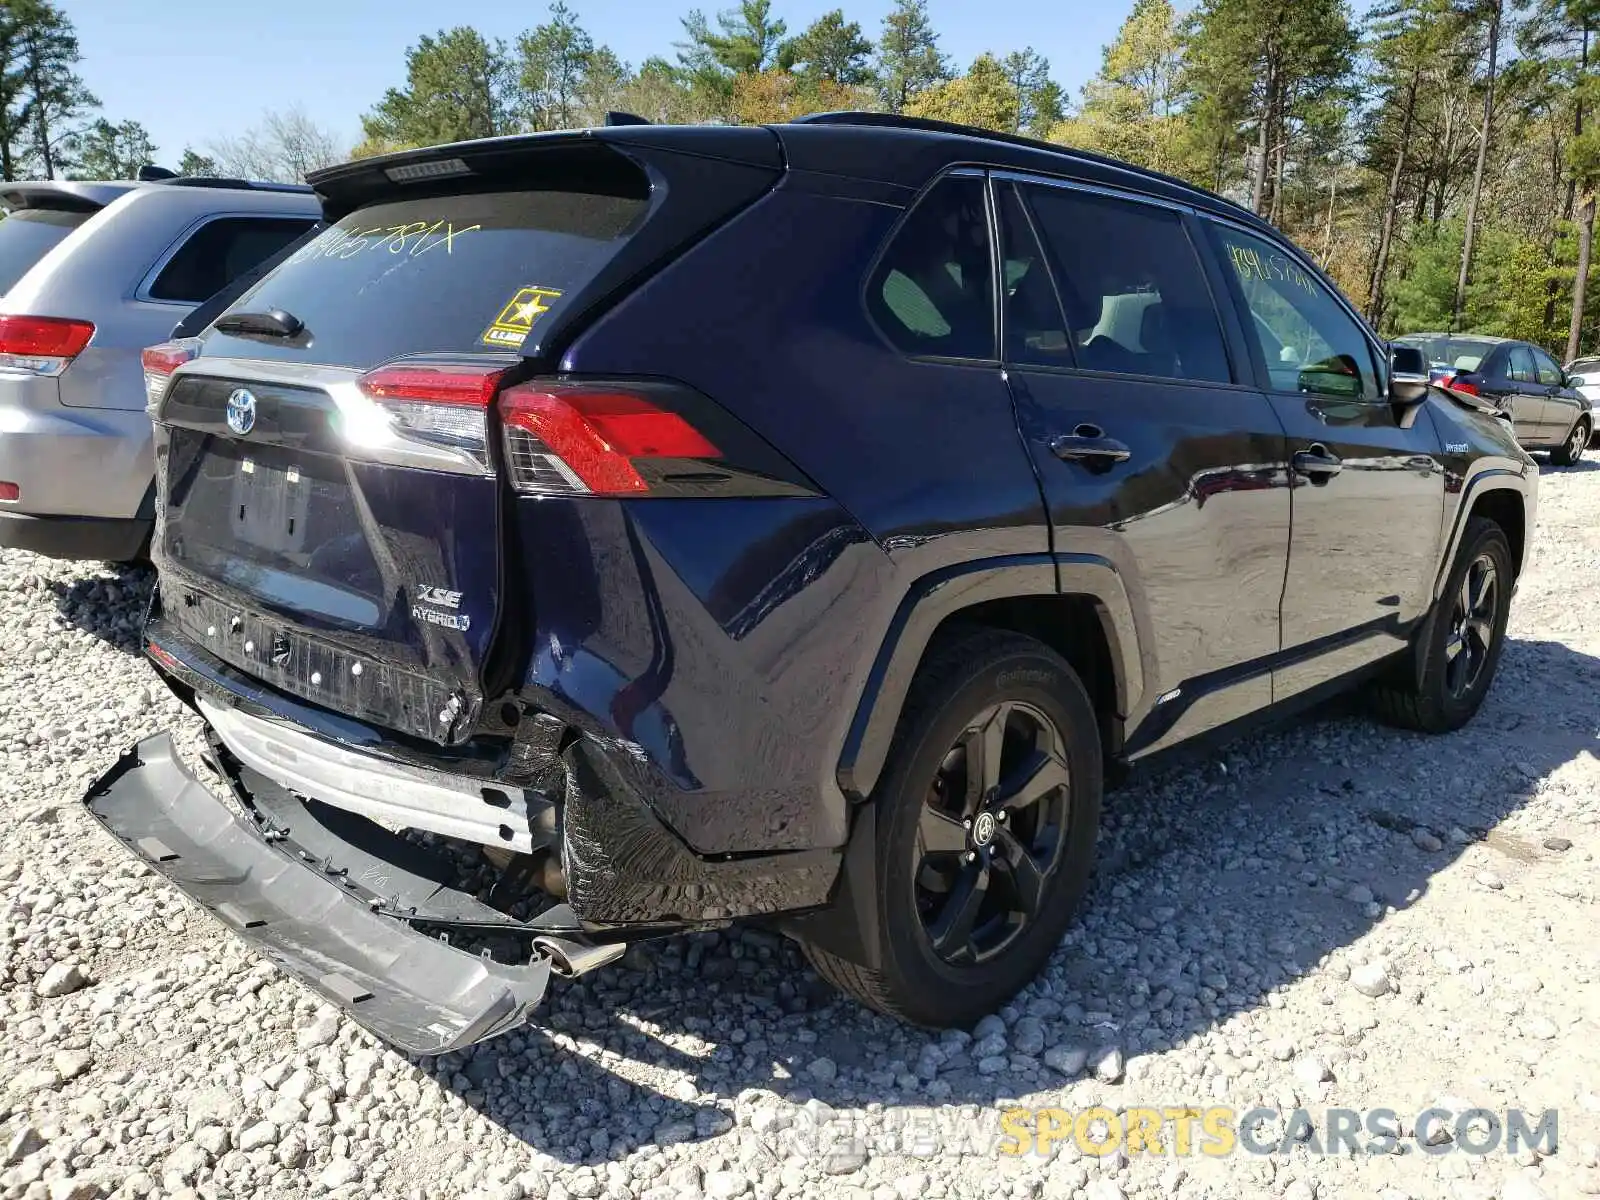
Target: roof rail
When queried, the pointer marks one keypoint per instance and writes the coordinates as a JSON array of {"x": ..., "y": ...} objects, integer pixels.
[
  {"x": 929, "y": 125},
  {"x": 211, "y": 181}
]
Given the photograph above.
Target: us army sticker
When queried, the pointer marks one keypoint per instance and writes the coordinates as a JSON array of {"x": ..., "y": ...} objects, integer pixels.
[{"x": 517, "y": 317}]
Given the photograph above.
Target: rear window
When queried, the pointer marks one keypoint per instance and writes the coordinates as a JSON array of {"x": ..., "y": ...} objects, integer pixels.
[
  {"x": 1464, "y": 354},
  {"x": 461, "y": 273},
  {"x": 27, "y": 235}
]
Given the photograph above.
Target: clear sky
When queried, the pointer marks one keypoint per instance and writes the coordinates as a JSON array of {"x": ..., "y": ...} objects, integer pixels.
[{"x": 194, "y": 70}]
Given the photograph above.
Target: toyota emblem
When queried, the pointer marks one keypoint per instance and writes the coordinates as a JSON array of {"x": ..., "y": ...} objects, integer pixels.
[{"x": 241, "y": 411}]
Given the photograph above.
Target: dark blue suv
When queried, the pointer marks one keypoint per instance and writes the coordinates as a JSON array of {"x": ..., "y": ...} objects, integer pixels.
[{"x": 590, "y": 536}]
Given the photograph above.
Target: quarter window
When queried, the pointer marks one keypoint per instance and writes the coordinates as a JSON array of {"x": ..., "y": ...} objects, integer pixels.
[
  {"x": 1520, "y": 366},
  {"x": 1131, "y": 289},
  {"x": 1309, "y": 342},
  {"x": 219, "y": 252},
  {"x": 932, "y": 293}
]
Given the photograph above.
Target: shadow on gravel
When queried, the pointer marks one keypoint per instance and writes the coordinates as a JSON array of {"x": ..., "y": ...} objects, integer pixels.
[
  {"x": 111, "y": 605},
  {"x": 1582, "y": 466},
  {"x": 1218, "y": 883}
]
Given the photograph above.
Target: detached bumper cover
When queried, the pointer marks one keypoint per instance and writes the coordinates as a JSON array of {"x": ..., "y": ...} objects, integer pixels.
[{"x": 408, "y": 987}]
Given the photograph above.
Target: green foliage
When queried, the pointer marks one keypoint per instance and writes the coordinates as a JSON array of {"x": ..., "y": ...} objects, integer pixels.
[
  {"x": 909, "y": 59},
  {"x": 459, "y": 85},
  {"x": 107, "y": 151},
  {"x": 834, "y": 49},
  {"x": 195, "y": 163},
  {"x": 746, "y": 40},
  {"x": 1132, "y": 109},
  {"x": 985, "y": 96}
]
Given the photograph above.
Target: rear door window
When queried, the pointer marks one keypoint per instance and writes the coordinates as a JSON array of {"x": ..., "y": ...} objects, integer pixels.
[
  {"x": 27, "y": 235},
  {"x": 932, "y": 293},
  {"x": 1520, "y": 366},
  {"x": 219, "y": 252},
  {"x": 448, "y": 274},
  {"x": 1131, "y": 287}
]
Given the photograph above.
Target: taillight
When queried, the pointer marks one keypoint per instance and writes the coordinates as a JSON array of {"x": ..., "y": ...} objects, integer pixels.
[
  {"x": 442, "y": 402},
  {"x": 41, "y": 345},
  {"x": 585, "y": 439},
  {"x": 10, "y": 491},
  {"x": 159, "y": 364},
  {"x": 1457, "y": 383}
]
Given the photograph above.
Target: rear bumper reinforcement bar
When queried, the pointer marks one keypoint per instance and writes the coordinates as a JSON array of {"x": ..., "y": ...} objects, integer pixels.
[{"x": 408, "y": 987}]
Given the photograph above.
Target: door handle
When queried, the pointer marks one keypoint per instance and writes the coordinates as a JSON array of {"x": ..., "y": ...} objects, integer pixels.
[
  {"x": 1089, "y": 444},
  {"x": 1318, "y": 462}
]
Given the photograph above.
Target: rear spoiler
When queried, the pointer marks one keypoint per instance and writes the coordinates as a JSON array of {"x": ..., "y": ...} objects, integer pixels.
[{"x": 63, "y": 195}]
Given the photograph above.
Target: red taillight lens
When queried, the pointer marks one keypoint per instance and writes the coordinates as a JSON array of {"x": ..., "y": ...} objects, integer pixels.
[
  {"x": 9, "y": 491},
  {"x": 577, "y": 439},
  {"x": 159, "y": 364},
  {"x": 442, "y": 402},
  {"x": 1466, "y": 386},
  {"x": 41, "y": 345},
  {"x": 434, "y": 383}
]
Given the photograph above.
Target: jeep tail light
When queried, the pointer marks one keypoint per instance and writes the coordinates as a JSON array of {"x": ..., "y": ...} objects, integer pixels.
[
  {"x": 575, "y": 438},
  {"x": 41, "y": 345},
  {"x": 1456, "y": 383},
  {"x": 159, "y": 364}
]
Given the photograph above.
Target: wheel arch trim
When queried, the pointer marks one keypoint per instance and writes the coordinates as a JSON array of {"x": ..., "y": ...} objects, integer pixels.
[
  {"x": 1486, "y": 480},
  {"x": 942, "y": 594}
]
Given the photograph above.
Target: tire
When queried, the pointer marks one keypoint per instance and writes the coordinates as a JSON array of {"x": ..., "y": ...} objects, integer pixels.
[
  {"x": 924, "y": 794},
  {"x": 1571, "y": 451},
  {"x": 1434, "y": 699}
]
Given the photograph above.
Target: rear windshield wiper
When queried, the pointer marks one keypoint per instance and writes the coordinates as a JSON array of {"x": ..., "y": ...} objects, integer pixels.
[{"x": 272, "y": 323}]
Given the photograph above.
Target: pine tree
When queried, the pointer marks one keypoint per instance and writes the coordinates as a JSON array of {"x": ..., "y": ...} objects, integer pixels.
[
  {"x": 459, "y": 85},
  {"x": 909, "y": 59}
]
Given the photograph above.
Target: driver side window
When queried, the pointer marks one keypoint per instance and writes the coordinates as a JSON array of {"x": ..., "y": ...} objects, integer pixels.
[{"x": 1309, "y": 342}]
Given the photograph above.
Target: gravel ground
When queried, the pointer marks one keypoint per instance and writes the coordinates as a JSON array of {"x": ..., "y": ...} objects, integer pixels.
[{"x": 1331, "y": 915}]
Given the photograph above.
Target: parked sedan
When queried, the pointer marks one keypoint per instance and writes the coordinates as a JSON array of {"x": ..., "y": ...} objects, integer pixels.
[{"x": 1542, "y": 401}]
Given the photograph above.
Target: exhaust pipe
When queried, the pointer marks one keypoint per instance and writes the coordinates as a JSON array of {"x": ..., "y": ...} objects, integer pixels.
[{"x": 572, "y": 959}]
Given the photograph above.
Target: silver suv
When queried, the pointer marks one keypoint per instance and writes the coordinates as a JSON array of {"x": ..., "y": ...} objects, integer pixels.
[{"x": 90, "y": 274}]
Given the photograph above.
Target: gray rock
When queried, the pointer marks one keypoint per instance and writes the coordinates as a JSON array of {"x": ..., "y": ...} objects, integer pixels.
[
  {"x": 186, "y": 1162},
  {"x": 990, "y": 1026},
  {"x": 725, "y": 1185},
  {"x": 1312, "y": 1071},
  {"x": 1426, "y": 841},
  {"x": 32, "y": 1081},
  {"x": 320, "y": 1032},
  {"x": 62, "y": 979},
  {"x": 23, "y": 1142},
  {"x": 254, "y": 1137},
  {"x": 1108, "y": 1064},
  {"x": 338, "y": 1173},
  {"x": 824, "y": 1070},
  {"x": 1359, "y": 893},
  {"x": 1559, "y": 844},
  {"x": 1370, "y": 980},
  {"x": 69, "y": 1064},
  {"x": 76, "y": 1188},
  {"x": 1490, "y": 880},
  {"x": 1300, "y": 1189},
  {"x": 1067, "y": 1060}
]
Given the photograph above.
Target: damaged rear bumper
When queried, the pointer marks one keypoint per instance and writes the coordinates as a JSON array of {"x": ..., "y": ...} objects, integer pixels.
[{"x": 327, "y": 925}]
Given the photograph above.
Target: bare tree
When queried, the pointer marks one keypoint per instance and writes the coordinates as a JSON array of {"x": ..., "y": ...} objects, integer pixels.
[{"x": 284, "y": 148}]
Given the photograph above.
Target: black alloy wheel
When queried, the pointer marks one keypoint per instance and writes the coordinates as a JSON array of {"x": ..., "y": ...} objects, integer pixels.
[
  {"x": 1472, "y": 626},
  {"x": 991, "y": 833}
]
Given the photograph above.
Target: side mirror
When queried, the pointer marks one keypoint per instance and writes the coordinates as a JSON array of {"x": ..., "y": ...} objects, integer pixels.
[{"x": 1408, "y": 375}]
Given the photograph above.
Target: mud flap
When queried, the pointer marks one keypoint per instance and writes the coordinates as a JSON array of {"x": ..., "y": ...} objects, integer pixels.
[{"x": 410, "y": 989}]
